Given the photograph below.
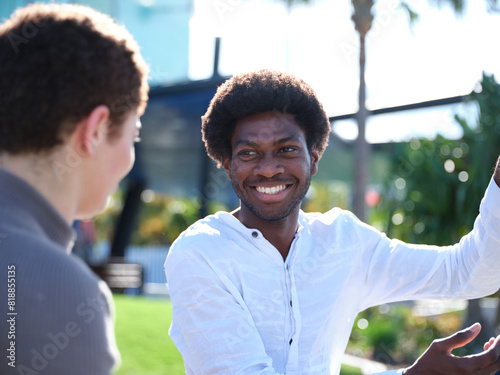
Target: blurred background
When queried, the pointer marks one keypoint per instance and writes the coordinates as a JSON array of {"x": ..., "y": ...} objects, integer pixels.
[{"x": 411, "y": 91}]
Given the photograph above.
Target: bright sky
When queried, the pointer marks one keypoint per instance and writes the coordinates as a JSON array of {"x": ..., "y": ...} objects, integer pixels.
[{"x": 441, "y": 55}]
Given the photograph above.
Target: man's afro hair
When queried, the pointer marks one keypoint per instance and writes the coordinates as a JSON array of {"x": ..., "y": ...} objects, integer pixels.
[{"x": 262, "y": 91}]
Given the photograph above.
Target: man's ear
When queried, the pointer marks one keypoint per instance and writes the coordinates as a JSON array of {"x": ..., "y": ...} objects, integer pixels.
[
  {"x": 92, "y": 130},
  {"x": 314, "y": 161},
  {"x": 227, "y": 167}
]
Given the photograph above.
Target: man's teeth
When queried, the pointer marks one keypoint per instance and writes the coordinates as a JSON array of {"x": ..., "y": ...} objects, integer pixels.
[{"x": 271, "y": 190}]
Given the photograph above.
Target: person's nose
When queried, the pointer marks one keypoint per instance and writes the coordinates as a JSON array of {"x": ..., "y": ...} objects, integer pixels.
[{"x": 269, "y": 166}]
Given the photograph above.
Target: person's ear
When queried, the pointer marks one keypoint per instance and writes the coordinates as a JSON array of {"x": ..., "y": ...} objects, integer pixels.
[
  {"x": 314, "y": 161},
  {"x": 93, "y": 130},
  {"x": 227, "y": 167}
]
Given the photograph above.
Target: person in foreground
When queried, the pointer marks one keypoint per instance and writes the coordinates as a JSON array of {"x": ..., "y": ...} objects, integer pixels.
[
  {"x": 269, "y": 289},
  {"x": 73, "y": 86}
]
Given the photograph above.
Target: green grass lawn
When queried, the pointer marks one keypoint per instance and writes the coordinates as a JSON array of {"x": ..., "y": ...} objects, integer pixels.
[
  {"x": 142, "y": 337},
  {"x": 349, "y": 370}
]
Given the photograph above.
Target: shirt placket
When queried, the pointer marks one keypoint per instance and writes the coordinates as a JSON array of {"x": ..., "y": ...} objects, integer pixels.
[
  {"x": 293, "y": 312},
  {"x": 292, "y": 319}
]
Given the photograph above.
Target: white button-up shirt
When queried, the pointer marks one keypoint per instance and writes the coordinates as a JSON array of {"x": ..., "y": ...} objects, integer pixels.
[{"x": 238, "y": 308}]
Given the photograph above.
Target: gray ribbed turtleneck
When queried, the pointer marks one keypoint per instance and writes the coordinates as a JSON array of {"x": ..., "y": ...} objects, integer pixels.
[{"x": 62, "y": 322}]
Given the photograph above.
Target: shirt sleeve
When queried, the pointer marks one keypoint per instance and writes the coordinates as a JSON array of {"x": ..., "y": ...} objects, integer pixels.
[
  {"x": 211, "y": 325},
  {"x": 394, "y": 271}
]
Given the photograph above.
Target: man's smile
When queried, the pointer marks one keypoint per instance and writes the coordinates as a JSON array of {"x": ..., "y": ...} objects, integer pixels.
[{"x": 270, "y": 190}]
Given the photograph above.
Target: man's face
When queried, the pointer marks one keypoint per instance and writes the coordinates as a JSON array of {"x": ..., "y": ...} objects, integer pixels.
[
  {"x": 270, "y": 167},
  {"x": 113, "y": 161}
]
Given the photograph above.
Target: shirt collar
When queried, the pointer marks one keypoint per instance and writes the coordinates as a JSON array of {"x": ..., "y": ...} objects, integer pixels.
[
  {"x": 232, "y": 221},
  {"x": 40, "y": 215}
]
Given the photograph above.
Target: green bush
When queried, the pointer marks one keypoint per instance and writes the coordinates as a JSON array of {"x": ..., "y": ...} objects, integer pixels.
[{"x": 391, "y": 334}]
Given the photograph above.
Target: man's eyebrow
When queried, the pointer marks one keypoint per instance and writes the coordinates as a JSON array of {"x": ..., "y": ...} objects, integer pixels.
[
  {"x": 293, "y": 137},
  {"x": 244, "y": 142}
]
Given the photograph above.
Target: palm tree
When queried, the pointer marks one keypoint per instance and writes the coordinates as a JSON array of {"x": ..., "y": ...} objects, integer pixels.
[{"x": 363, "y": 18}]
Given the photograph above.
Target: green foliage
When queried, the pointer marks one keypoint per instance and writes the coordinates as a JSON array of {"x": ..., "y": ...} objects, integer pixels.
[
  {"x": 161, "y": 218},
  {"x": 106, "y": 220},
  {"x": 392, "y": 334},
  {"x": 322, "y": 196},
  {"x": 434, "y": 187}
]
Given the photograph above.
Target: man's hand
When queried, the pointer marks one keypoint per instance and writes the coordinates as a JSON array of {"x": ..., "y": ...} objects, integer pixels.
[{"x": 438, "y": 360}]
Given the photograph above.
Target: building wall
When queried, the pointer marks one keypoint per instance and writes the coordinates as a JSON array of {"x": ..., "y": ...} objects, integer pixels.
[{"x": 161, "y": 27}]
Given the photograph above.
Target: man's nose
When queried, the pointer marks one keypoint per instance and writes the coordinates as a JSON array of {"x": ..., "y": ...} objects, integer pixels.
[{"x": 269, "y": 166}]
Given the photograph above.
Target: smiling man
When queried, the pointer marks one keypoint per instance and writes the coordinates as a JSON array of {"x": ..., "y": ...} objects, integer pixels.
[
  {"x": 73, "y": 84},
  {"x": 270, "y": 191},
  {"x": 269, "y": 289}
]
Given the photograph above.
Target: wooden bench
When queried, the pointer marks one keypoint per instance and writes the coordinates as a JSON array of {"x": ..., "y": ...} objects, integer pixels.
[{"x": 121, "y": 275}]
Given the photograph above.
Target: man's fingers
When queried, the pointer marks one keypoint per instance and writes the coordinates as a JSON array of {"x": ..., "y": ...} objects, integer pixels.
[
  {"x": 487, "y": 362},
  {"x": 458, "y": 339},
  {"x": 489, "y": 343}
]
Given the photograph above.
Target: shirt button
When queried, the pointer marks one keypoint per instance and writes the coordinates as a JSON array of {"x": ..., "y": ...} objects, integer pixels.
[
  {"x": 291, "y": 340},
  {"x": 255, "y": 234}
]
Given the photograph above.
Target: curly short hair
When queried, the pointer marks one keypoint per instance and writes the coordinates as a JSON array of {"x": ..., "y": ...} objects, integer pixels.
[
  {"x": 262, "y": 91},
  {"x": 57, "y": 63}
]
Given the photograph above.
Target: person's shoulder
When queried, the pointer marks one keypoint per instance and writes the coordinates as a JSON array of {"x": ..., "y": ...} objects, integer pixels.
[
  {"x": 335, "y": 215},
  {"x": 40, "y": 262},
  {"x": 210, "y": 228},
  {"x": 57, "y": 292},
  {"x": 208, "y": 238},
  {"x": 52, "y": 282}
]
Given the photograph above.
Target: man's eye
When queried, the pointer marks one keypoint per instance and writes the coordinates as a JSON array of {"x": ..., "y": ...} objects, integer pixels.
[
  {"x": 288, "y": 149},
  {"x": 247, "y": 153}
]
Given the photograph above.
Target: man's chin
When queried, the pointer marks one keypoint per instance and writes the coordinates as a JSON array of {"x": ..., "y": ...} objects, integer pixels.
[
  {"x": 272, "y": 217},
  {"x": 90, "y": 212}
]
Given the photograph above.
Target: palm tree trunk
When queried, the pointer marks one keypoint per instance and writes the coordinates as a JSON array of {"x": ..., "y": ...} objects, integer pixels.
[{"x": 362, "y": 154}]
